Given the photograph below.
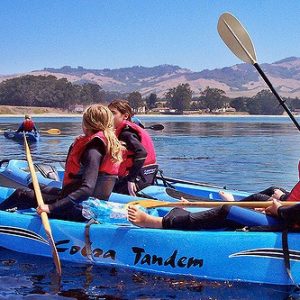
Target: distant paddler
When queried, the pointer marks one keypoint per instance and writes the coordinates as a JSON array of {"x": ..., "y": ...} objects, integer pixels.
[{"x": 27, "y": 125}]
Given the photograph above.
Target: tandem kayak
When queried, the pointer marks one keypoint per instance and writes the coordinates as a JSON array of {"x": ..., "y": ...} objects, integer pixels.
[
  {"x": 31, "y": 136},
  {"x": 215, "y": 255},
  {"x": 15, "y": 173}
]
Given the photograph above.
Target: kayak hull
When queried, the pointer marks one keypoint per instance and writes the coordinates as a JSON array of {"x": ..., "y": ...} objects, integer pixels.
[
  {"x": 13, "y": 135},
  {"x": 214, "y": 255}
]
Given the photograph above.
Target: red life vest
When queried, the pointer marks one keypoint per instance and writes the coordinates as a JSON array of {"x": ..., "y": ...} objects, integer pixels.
[
  {"x": 295, "y": 193},
  {"x": 73, "y": 160},
  {"x": 28, "y": 125},
  {"x": 146, "y": 141}
]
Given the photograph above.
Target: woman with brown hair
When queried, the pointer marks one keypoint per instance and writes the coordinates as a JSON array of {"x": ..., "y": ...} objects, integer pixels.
[
  {"x": 91, "y": 170},
  {"x": 138, "y": 168}
]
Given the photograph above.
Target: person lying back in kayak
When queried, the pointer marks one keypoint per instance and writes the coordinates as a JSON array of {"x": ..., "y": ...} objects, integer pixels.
[
  {"x": 91, "y": 170},
  {"x": 138, "y": 168},
  {"x": 215, "y": 218},
  {"x": 219, "y": 217},
  {"x": 268, "y": 194},
  {"x": 27, "y": 125}
]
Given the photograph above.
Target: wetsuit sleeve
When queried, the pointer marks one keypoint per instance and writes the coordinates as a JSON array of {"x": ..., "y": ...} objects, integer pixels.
[
  {"x": 290, "y": 214},
  {"x": 21, "y": 128},
  {"x": 134, "y": 144},
  {"x": 90, "y": 160}
]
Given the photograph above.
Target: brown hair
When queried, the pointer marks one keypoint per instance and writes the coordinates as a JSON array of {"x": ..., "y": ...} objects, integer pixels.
[
  {"x": 122, "y": 106},
  {"x": 98, "y": 117}
]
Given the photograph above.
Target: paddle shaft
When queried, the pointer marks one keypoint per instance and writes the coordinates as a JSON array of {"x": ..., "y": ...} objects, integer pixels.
[
  {"x": 43, "y": 215},
  {"x": 208, "y": 204},
  {"x": 282, "y": 103}
]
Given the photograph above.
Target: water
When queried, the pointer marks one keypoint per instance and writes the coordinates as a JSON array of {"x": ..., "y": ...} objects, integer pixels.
[{"x": 246, "y": 153}]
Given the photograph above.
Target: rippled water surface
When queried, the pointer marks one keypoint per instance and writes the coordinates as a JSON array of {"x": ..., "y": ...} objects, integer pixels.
[{"x": 246, "y": 153}]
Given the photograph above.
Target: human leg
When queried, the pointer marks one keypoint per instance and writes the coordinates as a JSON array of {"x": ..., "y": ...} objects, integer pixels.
[
  {"x": 181, "y": 219},
  {"x": 24, "y": 198},
  {"x": 142, "y": 219}
]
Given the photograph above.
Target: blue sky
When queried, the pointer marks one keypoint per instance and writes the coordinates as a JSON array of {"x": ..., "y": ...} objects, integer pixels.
[{"x": 122, "y": 33}]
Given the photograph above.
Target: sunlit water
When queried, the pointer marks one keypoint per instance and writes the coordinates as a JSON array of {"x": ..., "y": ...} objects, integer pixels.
[{"x": 247, "y": 153}]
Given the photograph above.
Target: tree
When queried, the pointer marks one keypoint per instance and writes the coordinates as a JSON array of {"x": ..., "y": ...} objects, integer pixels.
[
  {"x": 91, "y": 93},
  {"x": 213, "y": 98},
  {"x": 151, "y": 101},
  {"x": 264, "y": 103},
  {"x": 180, "y": 97},
  {"x": 135, "y": 100},
  {"x": 293, "y": 103},
  {"x": 239, "y": 103}
]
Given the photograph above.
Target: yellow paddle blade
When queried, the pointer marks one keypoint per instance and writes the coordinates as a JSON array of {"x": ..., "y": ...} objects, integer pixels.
[{"x": 52, "y": 131}]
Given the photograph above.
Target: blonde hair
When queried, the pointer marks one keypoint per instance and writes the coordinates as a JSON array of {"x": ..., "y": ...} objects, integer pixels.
[{"x": 98, "y": 117}]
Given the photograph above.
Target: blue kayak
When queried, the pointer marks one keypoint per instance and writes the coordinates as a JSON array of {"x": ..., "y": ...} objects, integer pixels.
[
  {"x": 215, "y": 255},
  {"x": 15, "y": 173},
  {"x": 31, "y": 136}
]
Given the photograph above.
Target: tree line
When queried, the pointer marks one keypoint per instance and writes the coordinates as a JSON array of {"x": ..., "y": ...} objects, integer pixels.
[{"x": 49, "y": 91}]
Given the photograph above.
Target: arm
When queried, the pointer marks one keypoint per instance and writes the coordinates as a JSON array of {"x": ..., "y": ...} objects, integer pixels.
[
  {"x": 91, "y": 160},
  {"x": 133, "y": 144},
  {"x": 21, "y": 128},
  {"x": 34, "y": 128},
  {"x": 290, "y": 214}
]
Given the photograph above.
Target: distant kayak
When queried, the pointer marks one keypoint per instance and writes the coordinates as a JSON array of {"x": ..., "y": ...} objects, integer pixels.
[{"x": 31, "y": 136}]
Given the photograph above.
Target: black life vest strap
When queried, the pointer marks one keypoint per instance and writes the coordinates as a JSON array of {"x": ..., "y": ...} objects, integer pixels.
[
  {"x": 164, "y": 180},
  {"x": 88, "y": 243},
  {"x": 286, "y": 256}
]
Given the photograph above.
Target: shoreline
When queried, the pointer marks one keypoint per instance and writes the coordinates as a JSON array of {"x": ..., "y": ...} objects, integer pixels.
[{"x": 162, "y": 116}]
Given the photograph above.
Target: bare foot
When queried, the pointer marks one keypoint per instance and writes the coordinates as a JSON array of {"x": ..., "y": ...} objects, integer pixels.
[
  {"x": 226, "y": 196},
  {"x": 142, "y": 219}
]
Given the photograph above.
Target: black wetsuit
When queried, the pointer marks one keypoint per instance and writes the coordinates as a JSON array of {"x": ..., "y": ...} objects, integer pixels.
[
  {"x": 133, "y": 143},
  {"x": 217, "y": 218},
  {"x": 65, "y": 204},
  {"x": 290, "y": 214},
  {"x": 266, "y": 194}
]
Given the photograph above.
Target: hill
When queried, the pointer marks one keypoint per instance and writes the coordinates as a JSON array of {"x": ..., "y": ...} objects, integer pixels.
[{"x": 237, "y": 80}]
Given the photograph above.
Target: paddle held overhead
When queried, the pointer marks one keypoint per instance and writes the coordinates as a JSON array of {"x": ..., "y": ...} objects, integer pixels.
[{"x": 238, "y": 41}]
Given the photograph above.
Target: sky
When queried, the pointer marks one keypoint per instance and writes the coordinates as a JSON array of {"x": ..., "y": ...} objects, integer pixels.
[{"x": 113, "y": 34}]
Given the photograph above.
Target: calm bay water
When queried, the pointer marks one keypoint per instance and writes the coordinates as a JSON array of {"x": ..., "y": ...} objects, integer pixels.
[{"x": 246, "y": 153}]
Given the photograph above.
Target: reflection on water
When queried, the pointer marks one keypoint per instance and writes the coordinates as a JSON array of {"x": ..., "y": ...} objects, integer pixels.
[
  {"x": 243, "y": 153},
  {"x": 94, "y": 282}
]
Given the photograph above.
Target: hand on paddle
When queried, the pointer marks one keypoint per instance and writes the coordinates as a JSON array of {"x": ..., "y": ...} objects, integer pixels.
[
  {"x": 43, "y": 208},
  {"x": 273, "y": 209}
]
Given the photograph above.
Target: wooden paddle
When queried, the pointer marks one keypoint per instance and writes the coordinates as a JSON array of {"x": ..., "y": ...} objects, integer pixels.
[
  {"x": 43, "y": 215},
  {"x": 148, "y": 203},
  {"x": 238, "y": 41},
  {"x": 54, "y": 131}
]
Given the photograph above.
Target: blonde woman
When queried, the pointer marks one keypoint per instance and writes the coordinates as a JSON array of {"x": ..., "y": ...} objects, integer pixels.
[{"x": 91, "y": 169}]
